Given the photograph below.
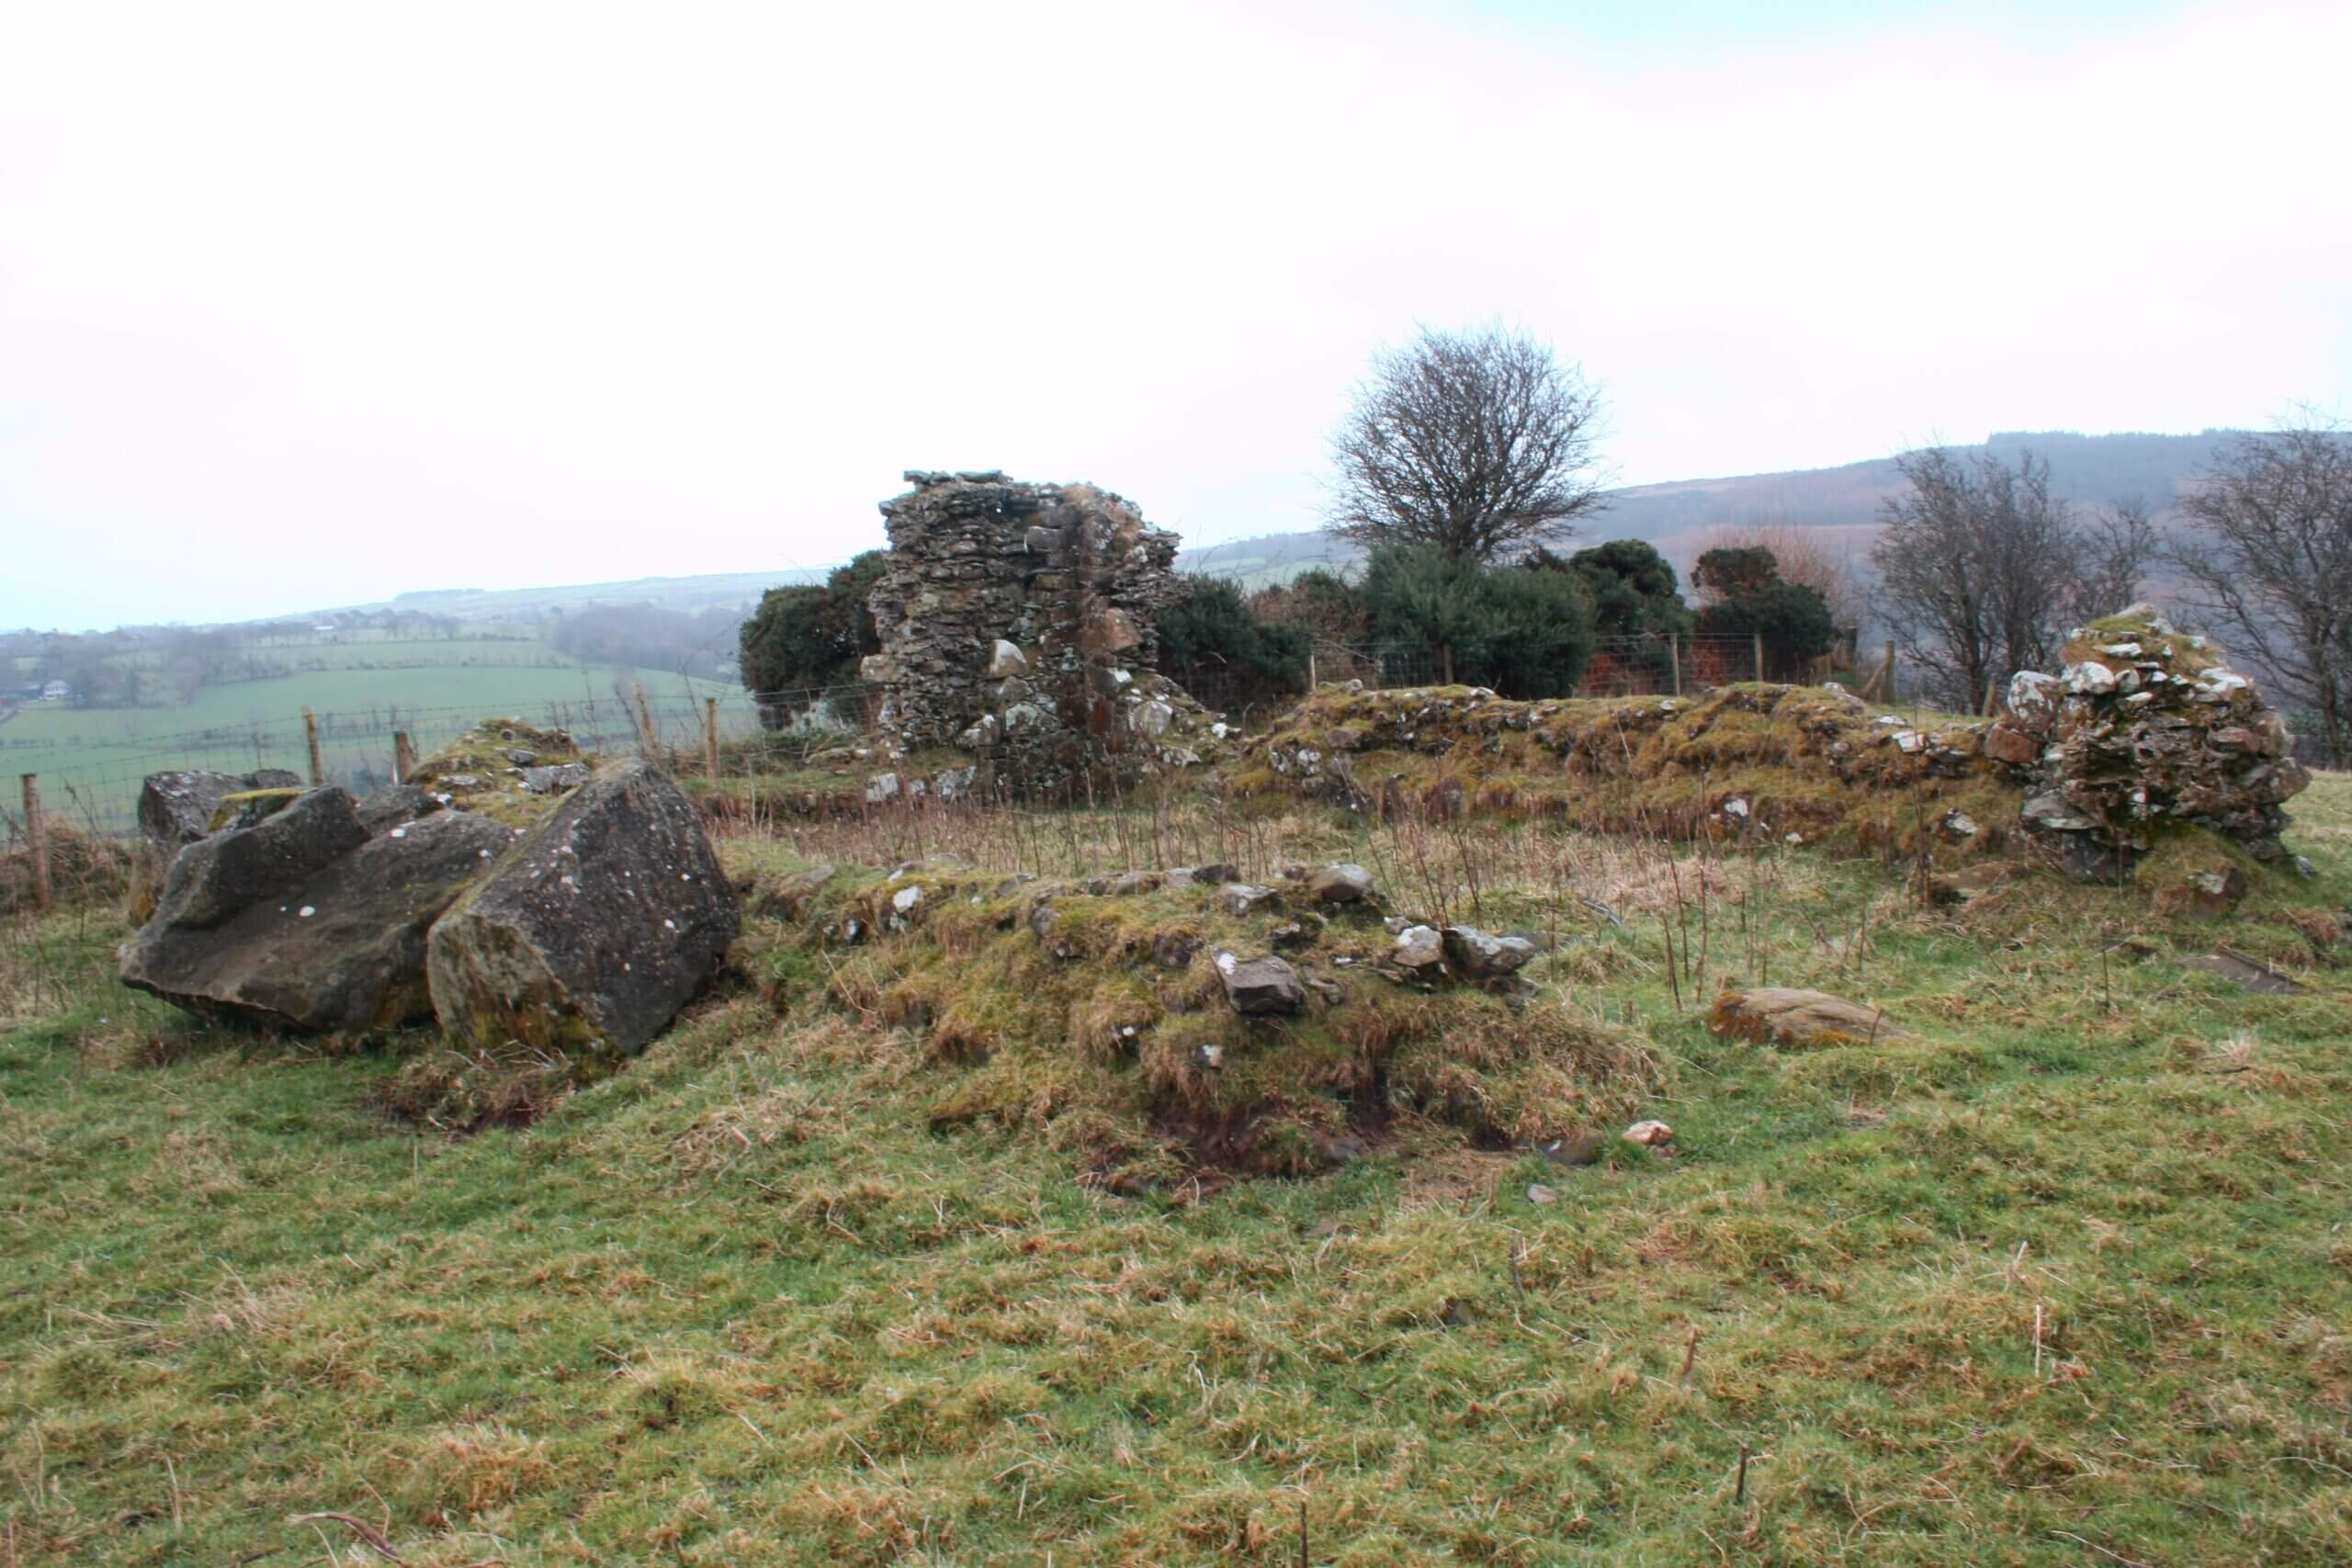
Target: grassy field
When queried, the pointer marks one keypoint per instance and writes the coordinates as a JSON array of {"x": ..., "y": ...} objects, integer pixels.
[
  {"x": 100, "y": 754},
  {"x": 2063, "y": 1278}
]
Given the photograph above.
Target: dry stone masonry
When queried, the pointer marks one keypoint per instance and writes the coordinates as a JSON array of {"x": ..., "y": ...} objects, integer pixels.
[
  {"x": 2145, "y": 727},
  {"x": 1017, "y": 623}
]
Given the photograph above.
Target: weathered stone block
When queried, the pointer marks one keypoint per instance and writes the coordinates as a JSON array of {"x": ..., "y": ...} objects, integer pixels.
[{"x": 594, "y": 932}]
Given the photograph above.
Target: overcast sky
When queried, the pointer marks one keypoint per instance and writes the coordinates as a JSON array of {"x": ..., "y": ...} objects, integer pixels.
[{"x": 310, "y": 304}]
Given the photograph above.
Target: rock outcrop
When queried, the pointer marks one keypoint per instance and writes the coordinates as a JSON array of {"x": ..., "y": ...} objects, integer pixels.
[
  {"x": 595, "y": 929},
  {"x": 2144, "y": 729},
  {"x": 301, "y": 920},
  {"x": 1017, "y": 623},
  {"x": 178, "y": 808}
]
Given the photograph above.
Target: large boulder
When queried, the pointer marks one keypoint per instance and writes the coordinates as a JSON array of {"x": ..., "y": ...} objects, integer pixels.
[
  {"x": 178, "y": 808},
  {"x": 340, "y": 947},
  {"x": 222, "y": 875},
  {"x": 594, "y": 932}
]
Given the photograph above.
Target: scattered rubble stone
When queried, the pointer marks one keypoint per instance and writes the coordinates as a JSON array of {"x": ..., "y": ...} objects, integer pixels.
[
  {"x": 1341, "y": 883},
  {"x": 1260, "y": 988},
  {"x": 1649, "y": 1134},
  {"x": 1779, "y": 1015},
  {"x": 1248, "y": 898},
  {"x": 2252, "y": 974},
  {"x": 1480, "y": 956},
  {"x": 1539, "y": 1193},
  {"x": 1420, "y": 949}
]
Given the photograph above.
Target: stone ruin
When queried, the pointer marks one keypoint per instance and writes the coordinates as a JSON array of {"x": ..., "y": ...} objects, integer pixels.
[
  {"x": 1018, "y": 624},
  {"x": 2145, "y": 727}
]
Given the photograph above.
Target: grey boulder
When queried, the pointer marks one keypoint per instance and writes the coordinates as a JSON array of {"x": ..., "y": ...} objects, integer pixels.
[
  {"x": 178, "y": 808},
  {"x": 218, "y": 877},
  {"x": 1260, "y": 988},
  {"x": 595, "y": 931},
  {"x": 344, "y": 948},
  {"x": 1345, "y": 884},
  {"x": 1482, "y": 956}
]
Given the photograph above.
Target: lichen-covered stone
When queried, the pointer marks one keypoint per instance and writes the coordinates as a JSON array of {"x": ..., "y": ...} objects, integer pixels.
[
  {"x": 594, "y": 932},
  {"x": 224, "y": 873},
  {"x": 344, "y": 948},
  {"x": 176, "y": 807}
]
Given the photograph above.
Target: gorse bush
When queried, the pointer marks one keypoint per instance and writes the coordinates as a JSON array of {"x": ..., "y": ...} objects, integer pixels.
[
  {"x": 808, "y": 636},
  {"x": 1526, "y": 633},
  {"x": 1212, "y": 646}
]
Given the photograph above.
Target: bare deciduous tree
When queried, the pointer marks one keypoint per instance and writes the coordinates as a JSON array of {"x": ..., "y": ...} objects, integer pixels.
[
  {"x": 1480, "y": 443},
  {"x": 2112, "y": 554},
  {"x": 1980, "y": 568},
  {"x": 2268, "y": 564}
]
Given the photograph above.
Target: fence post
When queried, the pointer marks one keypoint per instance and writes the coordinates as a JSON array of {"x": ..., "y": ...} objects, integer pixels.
[
  {"x": 1674, "y": 658},
  {"x": 1886, "y": 691},
  {"x": 710, "y": 738},
  {"x": 648, "y": 745},
  {"x": 36, "y": 841},
  {"x": 1992, "y": 691},
  {"x": 404, "y": 756},
  {"x": 310, "y": 734},
  {"x": 1760, "y": 654},
  {"x": 1312, "y": 683}
]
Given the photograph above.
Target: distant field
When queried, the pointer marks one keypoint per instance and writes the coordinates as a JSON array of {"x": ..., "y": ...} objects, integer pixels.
[{"x": 91, "y": 759}]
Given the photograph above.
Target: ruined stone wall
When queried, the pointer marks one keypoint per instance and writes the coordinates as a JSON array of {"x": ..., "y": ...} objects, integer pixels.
[
  {"x": 2145, "y": 726},
  {"x": 1017, "y": 622}
]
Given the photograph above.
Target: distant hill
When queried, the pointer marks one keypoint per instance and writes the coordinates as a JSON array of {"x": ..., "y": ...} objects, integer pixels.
[
  {"x": 1679, "y": 516},
  {"x": 689, "y": 594}
]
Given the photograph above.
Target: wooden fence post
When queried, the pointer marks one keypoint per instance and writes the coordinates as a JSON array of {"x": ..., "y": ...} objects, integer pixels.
[
  {"x": 310, "y": 734},
  {"x": 1674, "y": 658},
  {"x": 1760, "y": 654},
  {"x": 710, "y": 738},
  {"x": 36, "y": 841},
  {"x": 1886, "y": 672},
  {"x": 1312, "y": 683},
  {"x": 1992, "y": 695},
  {"x": 404, "y": 756},
  {"x": 648, "y": 745}
]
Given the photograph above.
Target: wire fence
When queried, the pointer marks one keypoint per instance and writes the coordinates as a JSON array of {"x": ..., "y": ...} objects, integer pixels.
[
  {"x": 95, "y": 785},
  {"x": 1681, "y": 665}
]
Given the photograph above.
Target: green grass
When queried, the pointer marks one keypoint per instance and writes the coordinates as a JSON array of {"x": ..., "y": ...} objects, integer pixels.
[
  {"x": 740, "y": 1304},
  {"x": 99, "y": 755}
]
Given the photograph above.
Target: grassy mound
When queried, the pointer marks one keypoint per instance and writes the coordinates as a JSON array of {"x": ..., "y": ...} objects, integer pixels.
[
  {"x": 1097, "y": 1019},
  {"x": 482, "y": 770},
  {"x": 1746, "y": 760}
]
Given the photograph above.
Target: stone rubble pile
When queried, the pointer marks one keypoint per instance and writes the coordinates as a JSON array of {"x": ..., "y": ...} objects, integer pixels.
[
  {"x": 1018, "y": 623},
  {"x": 2143, "y": 728}
]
